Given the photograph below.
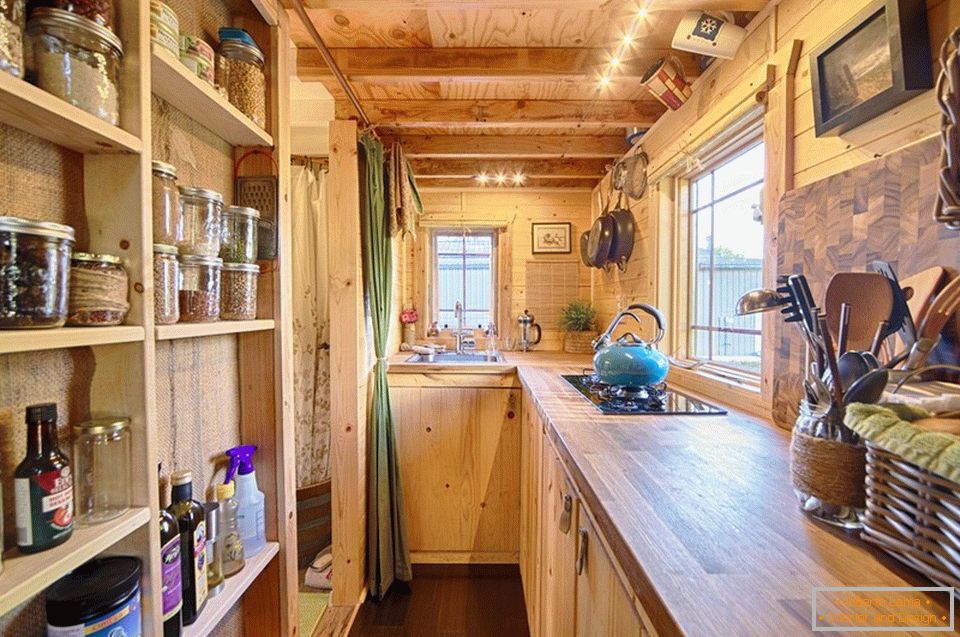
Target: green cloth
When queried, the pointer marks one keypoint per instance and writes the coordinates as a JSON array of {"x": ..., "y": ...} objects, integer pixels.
[
  {"x": 889, "y": 426},
  {"x": 388, "y": 554},
  {"x": 312, "y": 606}
]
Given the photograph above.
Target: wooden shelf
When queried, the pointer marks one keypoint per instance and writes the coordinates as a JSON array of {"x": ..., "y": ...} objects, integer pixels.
[
  {"x": 234, "y": 588},
  {"x": 26, "y": 575},
  {"x": 31, "y": 109},
  {"x": 217, "y": 328},
  {"x": 175, "y": 84},
  {"x": 62, "y": 337}
]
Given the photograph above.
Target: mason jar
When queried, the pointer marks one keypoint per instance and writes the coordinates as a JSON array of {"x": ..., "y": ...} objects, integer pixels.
[
  {"x": 11, "y": 36},
  {"x": 98, "y": 11},
  {"x": 98, "y": 290},
  {"x": 202, "y": 210},
  {"x": 199, "y": 288},
  {"x": 238, "y": 243},
  {"x": 167, "y": 216},
  {"x": 34, "y": 271},
  {"x": 102, "y": 469},
  {"x": 239, "y": 291},
  {"x": 240, "y": 72},
  {"x": 166, "y": 284},
  {"x": 75, "y": 59}
]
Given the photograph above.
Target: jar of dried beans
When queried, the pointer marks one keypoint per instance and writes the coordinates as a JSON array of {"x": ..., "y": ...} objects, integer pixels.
[
  {"x": 239, "y": 295},
  {"x": 98, "y": 290},
  {"x": 167, "y": 217},
  {"x": 238, "y": 243},
  {"x": 201, "y": 210},
  {"x": 199, "y": 288},
  {"x": 166, "y": 284},
  {"x": 240, "y": 72},
  {"x": 11, "y": 36},
  {"x": 34, "y": 270},
  {"x": 75, "y": 59},
  {"x": 99, "y": 11}
]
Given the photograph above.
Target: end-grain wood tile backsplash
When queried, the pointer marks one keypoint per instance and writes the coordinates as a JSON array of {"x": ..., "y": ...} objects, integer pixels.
[{"x": 879, "y": 210}]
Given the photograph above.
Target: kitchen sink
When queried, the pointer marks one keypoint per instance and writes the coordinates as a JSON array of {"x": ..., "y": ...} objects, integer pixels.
[{"x": 453, "y": 358}]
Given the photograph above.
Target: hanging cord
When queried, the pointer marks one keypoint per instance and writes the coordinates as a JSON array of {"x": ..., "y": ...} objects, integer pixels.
[{"x": 328, "y": 58}]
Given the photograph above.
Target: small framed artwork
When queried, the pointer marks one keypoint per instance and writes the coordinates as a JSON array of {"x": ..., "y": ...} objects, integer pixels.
[
  {"x": 551, "y": 238},
  {"x": 875, "y": 62}
]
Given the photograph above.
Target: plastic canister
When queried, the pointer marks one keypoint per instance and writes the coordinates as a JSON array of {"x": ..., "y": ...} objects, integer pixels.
[{"x": 99, "y": 599}]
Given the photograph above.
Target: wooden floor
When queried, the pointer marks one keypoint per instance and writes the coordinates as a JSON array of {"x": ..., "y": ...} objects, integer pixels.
[{"x": 449, "y": 601}]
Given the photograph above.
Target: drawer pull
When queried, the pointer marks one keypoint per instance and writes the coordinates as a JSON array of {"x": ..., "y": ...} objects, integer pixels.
[
  {"x": 582, "y": 552},
  {"x": 567, "y": 514}
]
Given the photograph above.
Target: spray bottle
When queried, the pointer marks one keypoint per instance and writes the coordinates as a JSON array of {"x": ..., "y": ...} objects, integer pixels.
[{"x": 249, "y": 497}]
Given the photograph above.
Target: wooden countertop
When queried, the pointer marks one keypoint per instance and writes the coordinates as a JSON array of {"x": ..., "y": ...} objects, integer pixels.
[
  {"x": 700, "y": 514},
  {"x": 512, "y": 360}
]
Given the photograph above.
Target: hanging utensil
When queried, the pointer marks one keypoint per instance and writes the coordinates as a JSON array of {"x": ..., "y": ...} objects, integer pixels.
[
  {"x": 601, "y": 237},
  {"x": 901, "y": 318},
  {"x": 631, "y": 174}
]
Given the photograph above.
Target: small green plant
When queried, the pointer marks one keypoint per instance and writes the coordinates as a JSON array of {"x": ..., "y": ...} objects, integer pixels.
[{"x": 578, "y": 316}]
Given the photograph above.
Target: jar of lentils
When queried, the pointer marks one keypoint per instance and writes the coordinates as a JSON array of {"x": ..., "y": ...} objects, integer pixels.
[
  {"x": 238, "y": 244},
  {"x": 240, "y": 72},
  {"x": 11, "y": 36},
  {"x": 166, "y": 284},
  {"x": 167, "y": 217},
  {"x": 34, "y": 271},
  {"x": 239, "y": 295},
  {"x": 98, "y": 290},
  {"x": 202, "y": 210},
  {"x": 75, "y": 59},
  {"x": 199, "y": 288}
]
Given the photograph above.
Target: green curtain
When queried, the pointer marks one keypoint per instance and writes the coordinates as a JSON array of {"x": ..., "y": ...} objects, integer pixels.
[{"x": 388, "y": 555}]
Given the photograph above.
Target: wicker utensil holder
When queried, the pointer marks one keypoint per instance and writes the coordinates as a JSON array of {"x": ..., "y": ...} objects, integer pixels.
[
  {"x": 914, "y": 515},
  {"x": 578, "y": 342}
]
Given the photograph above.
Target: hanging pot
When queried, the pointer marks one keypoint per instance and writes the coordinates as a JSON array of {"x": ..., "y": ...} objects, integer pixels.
[
  {"x": 624, "y": 230},
  {"x": 601, "y": 238},
  {"x": 629, "y": 361},
  {"x": 585, "y": 249}
]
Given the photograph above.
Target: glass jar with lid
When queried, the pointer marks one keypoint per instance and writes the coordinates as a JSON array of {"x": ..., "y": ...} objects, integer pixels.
[
  {"x": 102, "y": 469},
  {"x": 166, "y": 284},
  {"x": 167, "y": 216},
  {"x": 202, "y": 211},
  {"x": 12, "y": 14},
  {"x": 99, "y": 11},
  {"x": 34, "y": 271},
  {"x": 75, "y": 59},
  {"x": 240, "y": 72},
  {"x": 239, "y": 291},
  {"x": 199, "y": 288},
  {"x": 98, "y": 290},
  {"x": 238, "y": 243}
]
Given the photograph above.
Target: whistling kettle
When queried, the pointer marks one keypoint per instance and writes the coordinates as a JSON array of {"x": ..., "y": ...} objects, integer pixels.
[{"x": 629, "y": 361}]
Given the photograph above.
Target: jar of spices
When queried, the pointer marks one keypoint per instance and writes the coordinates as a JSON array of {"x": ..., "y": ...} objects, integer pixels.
[
  {"x": 11, "y": 36},
  {"x": 238, "y": 244},
  {"x": 34, "y": 270},
  {"x": 240, "y": 72},
  {"x": 167, "y": 217},
  {"x": 239, "y": 295},
  {"x": 75, "y": 59},
  {"x": 102, "y": 469},
  {"x": 166, "y": 284},
  {"x": 98, "y": 290},
  {"x": 199, "y": 288},
  {"x": 201, "y": 210}
]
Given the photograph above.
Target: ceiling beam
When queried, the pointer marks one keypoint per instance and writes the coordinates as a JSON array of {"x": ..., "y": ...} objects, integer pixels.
[
  {"x": 707, "y": 5},
  {"x": 511, "y": 146},
  {"x": 507, "y": 113},
  {"x": 431, "y": 168},
  {"x": 584, "y": 183},
  {"x": 380, "y": 5},
  {"x": 501, "y": 64}
]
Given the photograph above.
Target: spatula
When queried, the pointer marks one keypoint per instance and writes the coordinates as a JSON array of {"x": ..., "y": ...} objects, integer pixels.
[
  {"x": 870, "y": 297},
  {"x": 920, "y": 290}
]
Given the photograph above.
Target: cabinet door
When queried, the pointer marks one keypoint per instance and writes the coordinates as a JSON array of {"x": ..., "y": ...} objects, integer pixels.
[
  {"x": 459, "y": 456},
  {"x": 558, "y": 549},
  {"x": 603, "y": 607},
  {"x": 530, "y": 449}
]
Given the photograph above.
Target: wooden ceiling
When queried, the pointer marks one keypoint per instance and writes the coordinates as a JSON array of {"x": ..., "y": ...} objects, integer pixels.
[{"x": 488, "y": 86}]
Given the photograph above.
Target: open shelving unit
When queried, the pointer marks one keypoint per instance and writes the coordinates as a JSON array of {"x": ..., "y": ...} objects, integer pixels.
[{"x": 119, "y": 365}]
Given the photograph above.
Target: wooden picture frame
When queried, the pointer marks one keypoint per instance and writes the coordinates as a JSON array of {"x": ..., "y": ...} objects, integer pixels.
[
  {"x": 551, "y": 238},
  {"x": 875, "y": 62}
]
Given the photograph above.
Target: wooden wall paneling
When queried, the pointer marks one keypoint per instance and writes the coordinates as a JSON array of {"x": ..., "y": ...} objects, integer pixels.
[{"x": 348, "y": 368}]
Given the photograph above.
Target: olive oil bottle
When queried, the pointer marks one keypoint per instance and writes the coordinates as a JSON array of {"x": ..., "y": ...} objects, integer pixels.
[
  {"x": 193, "y": 544},
  {"x": 171, "y": 576},
  {"x": 43, "y": 485}
]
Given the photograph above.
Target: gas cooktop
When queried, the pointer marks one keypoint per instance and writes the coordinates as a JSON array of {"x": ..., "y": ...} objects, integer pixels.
[{"x": 639, "y": 401}]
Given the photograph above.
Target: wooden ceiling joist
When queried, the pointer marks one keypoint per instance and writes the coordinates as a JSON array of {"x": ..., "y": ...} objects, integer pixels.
[
  {"x": 582, "y": 183},
  {"x": 431, "y": 168},
  {"x": 370, "y": 5},
  {"x": 513, "y": 146},
  {"x": 507, "y": 113}
]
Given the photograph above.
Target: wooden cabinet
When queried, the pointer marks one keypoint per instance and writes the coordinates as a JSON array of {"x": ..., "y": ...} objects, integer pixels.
[
  {"x": 558, "y": 548},
  {"x": 459, "y": 450},
  {"x": 531, "y": 448}
]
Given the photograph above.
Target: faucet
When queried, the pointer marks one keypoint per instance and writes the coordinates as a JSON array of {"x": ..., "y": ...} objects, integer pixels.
[{"x": 458, "y": 313}]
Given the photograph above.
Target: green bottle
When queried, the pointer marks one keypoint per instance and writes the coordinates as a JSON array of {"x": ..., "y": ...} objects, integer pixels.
[
  {"x": 193, "y": 545},
  {"x": 43, "y": 485}
]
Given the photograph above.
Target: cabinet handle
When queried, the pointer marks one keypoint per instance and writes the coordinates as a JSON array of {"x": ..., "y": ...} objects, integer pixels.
[
  {"x": 567, "y": 514},
  {"x": 582, "y": 552}
]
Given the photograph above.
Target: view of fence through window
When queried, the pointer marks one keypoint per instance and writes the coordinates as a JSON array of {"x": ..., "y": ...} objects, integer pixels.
[
  {"x": 728, "y": 231},
  {"x": 464, "y": 272}
]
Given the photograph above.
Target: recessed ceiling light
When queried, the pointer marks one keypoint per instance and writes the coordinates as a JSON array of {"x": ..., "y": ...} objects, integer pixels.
[
  {"x": 483, "y": 178},
  {"x": 627, "y": 40},
  {"x": 615, "y": 62},
  {"x": 643, "y": 13},
  {"x": 518, "y": 179},
  {"x": 501, "y": 178},
  {"x": 604, "y": 81}
]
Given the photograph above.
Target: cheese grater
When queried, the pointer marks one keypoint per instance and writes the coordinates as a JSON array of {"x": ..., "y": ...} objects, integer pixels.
[{"x": 262, "y": 193}]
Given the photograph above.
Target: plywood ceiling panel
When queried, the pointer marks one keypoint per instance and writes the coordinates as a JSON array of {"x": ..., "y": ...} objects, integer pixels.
[
  {"x": 530, "y": 28},
  {"x": 396, "y": 28}
]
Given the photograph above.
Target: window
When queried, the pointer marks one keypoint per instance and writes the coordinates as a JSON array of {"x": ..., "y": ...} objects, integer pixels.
[
  {"x": 727, "y": 232},
  {"x": 464, "y": 271}
]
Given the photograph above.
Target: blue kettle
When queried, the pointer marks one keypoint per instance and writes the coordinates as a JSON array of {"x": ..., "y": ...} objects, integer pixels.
[{"x": 629, "y": 361}]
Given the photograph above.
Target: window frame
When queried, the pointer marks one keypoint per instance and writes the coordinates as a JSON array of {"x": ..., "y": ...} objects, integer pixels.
[{"x": 434, "y": 264}]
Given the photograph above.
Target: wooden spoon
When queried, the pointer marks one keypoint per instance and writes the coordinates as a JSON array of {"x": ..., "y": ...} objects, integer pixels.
[{"x": 871, "y": 300}]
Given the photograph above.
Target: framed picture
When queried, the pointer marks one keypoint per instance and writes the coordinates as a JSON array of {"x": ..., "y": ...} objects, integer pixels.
[
  {"x": 551, "y": 238},
  {"x": 878, "y": 60}
]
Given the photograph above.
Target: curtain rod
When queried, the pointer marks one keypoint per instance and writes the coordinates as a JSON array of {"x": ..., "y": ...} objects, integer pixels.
[{"x": 328, "y": 58}]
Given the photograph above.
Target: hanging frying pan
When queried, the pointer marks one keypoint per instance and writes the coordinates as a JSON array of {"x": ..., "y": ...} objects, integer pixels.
[
  {"x": 624, "y": 230},
  {"x": 601, "y": 238},
  {"x": 584, "y": 249}
]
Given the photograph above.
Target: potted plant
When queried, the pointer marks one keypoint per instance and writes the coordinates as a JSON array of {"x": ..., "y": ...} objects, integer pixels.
[{"x": 578, "y": 320}]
